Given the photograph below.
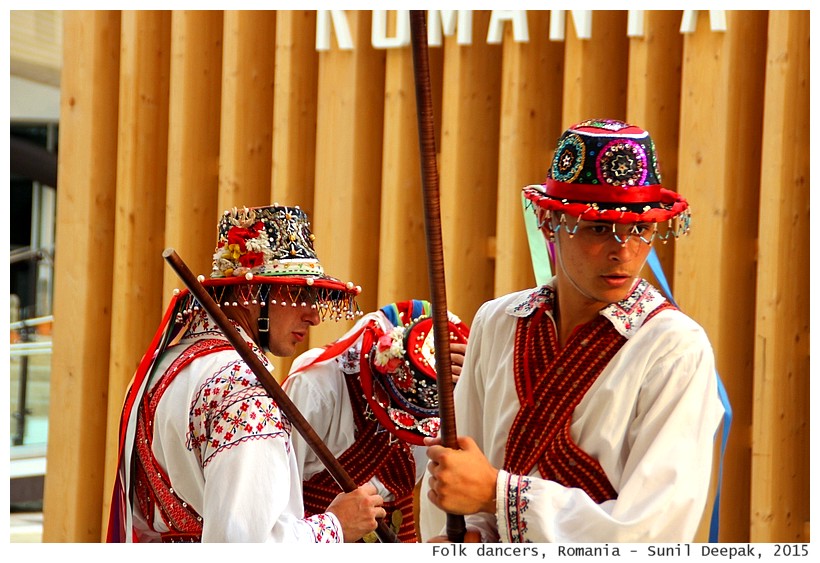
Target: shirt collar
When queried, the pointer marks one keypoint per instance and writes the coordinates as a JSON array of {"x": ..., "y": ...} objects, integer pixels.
[{"x": 627, "y": 316}]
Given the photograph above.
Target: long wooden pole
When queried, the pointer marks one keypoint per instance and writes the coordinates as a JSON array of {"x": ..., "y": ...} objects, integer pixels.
[
  {"x": 386, "y": 535},
  {"x": 456, "y": 527}
]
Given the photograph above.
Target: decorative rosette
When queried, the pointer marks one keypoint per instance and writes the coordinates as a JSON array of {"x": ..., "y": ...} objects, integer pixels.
[
  {"x": 398, "y": 376},
  {"x": 246, "y": 249}
]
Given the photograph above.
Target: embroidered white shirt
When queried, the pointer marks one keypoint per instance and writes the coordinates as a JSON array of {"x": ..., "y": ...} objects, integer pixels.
[
  {"x": 227, "y": 451},
  {"x": 649, "y": 419}
]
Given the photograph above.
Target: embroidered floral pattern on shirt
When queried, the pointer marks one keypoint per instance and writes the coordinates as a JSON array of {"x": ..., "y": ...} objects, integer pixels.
[
  {"x": 630, "y": 314},
  {"x": 517, "y": 487},
  {"x": 543, "y": 296},
  {"x": 324, "y": 528},
  {"x": 349, "y": 360},
  {"x": 230, "y": 408}
]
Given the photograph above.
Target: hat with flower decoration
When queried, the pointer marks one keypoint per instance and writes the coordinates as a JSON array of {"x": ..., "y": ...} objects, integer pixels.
[
  {"x": 398, "y": 369},
  {"x": 607, "y": 170},
  {"x": 261, "y": 247}
]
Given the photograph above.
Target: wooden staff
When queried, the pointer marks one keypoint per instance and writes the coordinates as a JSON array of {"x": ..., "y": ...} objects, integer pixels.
[
  {"x": 456, "y": 527},
  {"x": 386, "y": 535}
]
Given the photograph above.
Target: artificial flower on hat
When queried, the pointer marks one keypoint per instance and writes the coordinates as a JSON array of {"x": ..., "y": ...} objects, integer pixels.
[
  {"x": 398, "y": 370},
  {"x": 261, "y": 247}
]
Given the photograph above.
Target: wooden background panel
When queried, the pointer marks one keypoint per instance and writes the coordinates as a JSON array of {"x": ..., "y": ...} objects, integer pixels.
[
  {"x": 469, "y": 167},
  {"x": 348, "y": 167},
  {"x": 595, "y": 69},
  {"x": 780, "y": 480},
  {"x": 247, "y": 109},
  {"x": 296, "y": 77},
  {"x": 141, "y": 177},
  {"x": 193, "y": 141},
  {"x": 193, "y": 152},
  {"x": 531, "y": 104},
  {"x": 653, "y": 102},
  {"x": 403, "y": 272},
  {"x": 720, "y": 136},
  {"x": 81, "y": 390}
]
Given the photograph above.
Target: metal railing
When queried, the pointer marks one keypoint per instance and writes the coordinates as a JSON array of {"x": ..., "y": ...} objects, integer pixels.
[{"x": 23, "y": 348}]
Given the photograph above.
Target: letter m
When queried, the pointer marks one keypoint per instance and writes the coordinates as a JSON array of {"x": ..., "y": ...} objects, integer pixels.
[{"x": 438, "y": 20}]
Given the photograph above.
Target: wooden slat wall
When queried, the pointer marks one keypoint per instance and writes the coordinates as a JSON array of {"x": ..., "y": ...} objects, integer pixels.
[
  {"x": 199, "y": 111},
  {"x": 780, "y": 430},
  {"x": 471, "y": 103},
  {"x": 84, "y": 290},
  {"x": 531, "y": 94},
  {"x": 720, "y": 143}
]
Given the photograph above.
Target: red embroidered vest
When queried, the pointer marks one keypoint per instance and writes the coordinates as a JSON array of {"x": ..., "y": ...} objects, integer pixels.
[
  {"x": 376, "y": 452},
  {"x": 550, "y": 383},
  {"x": 152, "y": 487}
]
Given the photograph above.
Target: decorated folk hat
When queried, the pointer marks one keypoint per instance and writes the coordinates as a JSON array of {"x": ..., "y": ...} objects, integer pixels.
[
  {"x": 607, "y": 170},
  {"x": 398, "y": 370},
  {"x": 261, "y": 247}
]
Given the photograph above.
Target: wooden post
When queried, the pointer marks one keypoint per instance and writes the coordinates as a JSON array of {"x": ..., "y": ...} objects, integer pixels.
[
  {"x": 403, "y": 271},
  {"x": 348, "y": 167},
  {"x": 469, "y": 166},
  {"x": 531, "y": 86},
  {"x": 84, "y": 278},
  {"x": 780, "y": 510},
  {"x": 655, "y": 61},
  {"x": 296, "y": 76},
  {"x": 719, "y": 171},
  {"x": 140, "y": 219},
  {"x": 595, "y": 69},
  {"x": 247, "y": 109},
  {"x": 193, "y": 140}
]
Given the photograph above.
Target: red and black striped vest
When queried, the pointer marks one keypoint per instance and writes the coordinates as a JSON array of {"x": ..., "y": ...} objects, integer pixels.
[{"x": 375, "y": 453}]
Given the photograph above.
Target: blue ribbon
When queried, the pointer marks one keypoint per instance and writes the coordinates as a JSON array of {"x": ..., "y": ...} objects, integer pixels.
[
  {"x": 538, "y": 247},
  {"x": 657, "y": 270}
]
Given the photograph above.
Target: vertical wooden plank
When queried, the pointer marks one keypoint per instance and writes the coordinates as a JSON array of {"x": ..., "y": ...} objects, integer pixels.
[
  {"x": 403, "y": 267},
  {"x": 348, "y": 166},
  {"x": 469, "y": 166},
  {"x": 595, "y": 69},
  {"x": 296, "y": 76},
  {"x": 193, "y": 148},
  {"x": 142, "y": 157},
  {"x": 83, "y": 277},
  {"x": 780, "y": 510},
  {"x": 715, "y": 268},
  {"x": 531, "y": 87},
  {"x": 247, "y": 109},
  {"x": 653, "y": 102},
  {"x": 193, "y": 140}
]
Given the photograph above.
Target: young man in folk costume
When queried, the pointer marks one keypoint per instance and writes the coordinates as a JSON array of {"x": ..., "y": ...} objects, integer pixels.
[
  {"x": 205, "y": 453},
  {"x": 586, "y": 408},
  {"x": 372, "y": 398}
]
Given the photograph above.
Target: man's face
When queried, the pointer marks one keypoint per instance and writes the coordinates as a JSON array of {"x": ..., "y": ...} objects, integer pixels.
[
  {"x": 601, "y": 264},
  {"x": 289, "y": 326}
]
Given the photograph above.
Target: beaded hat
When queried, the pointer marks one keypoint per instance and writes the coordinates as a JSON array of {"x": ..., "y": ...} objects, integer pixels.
[
  {"x": 398, "y": 370},
  {"x": 607, "y": 170},
  {"x": 260, "y": 247}
]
